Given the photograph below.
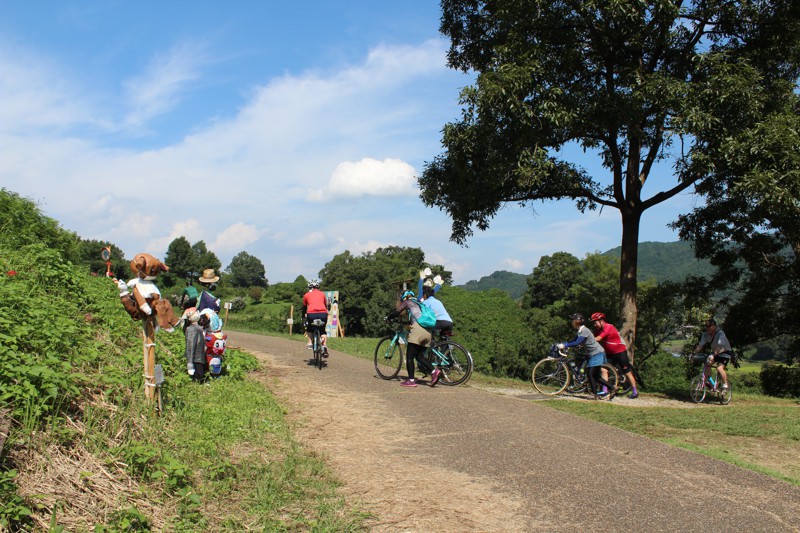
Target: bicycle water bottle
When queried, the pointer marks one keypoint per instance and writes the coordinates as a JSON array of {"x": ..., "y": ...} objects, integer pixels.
[{"x": 711, "y": 380}]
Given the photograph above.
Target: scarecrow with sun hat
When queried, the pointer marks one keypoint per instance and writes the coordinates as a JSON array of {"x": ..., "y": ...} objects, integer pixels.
[{"x": 208, "y": 306}]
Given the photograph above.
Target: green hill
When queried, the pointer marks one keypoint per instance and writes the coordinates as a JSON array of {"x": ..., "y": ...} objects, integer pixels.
[
  {"x": 510, "y": 282},
  {"x": 663, "y": 261}
]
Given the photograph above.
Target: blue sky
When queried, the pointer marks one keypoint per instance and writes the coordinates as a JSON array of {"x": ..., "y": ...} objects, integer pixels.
[{"x": 290, "y": 130}]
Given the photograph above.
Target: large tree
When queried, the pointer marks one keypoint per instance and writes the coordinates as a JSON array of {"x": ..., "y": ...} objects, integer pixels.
[
  {"x": 247, "y": 271},
  {"x": 180, "y": 258},
  {"x": 654, "y": 88},
  {"x": 204, "y": 258}
]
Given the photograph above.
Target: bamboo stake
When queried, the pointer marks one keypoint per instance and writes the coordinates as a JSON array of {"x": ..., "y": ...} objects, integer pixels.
[{"x": 149, "y": 348}]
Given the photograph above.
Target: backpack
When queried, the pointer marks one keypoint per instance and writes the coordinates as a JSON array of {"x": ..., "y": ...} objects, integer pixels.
[{"x": 427, "y": 318}]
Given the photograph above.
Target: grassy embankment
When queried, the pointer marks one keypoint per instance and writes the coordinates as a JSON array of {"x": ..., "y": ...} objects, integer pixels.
[
  {"x": 86, "y": 451},
  {"x": 757, "y": 432}
]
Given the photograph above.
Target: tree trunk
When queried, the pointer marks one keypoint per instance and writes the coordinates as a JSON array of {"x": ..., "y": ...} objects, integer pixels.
[{"x": 628, "y": 306}]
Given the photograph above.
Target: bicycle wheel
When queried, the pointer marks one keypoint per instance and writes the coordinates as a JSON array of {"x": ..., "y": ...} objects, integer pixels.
[
  {"x": 550, "y": 376},
  {"x": 454, "y": 362},
  {"x": 625, "y": 384},
  {"x": 697, "y": 389},
  {"x": 388, "y": 357},
  {"x": 612, "y": 379},
  {"x": 724, "y": 395},
  {"x": 317, "y": 350}
]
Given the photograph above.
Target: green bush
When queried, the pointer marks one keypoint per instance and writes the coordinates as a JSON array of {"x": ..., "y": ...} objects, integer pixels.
[
  {"x": 664, "y": 373},
  {"x": 781, "y": 380},
  {"x": 238, "y": 304}
]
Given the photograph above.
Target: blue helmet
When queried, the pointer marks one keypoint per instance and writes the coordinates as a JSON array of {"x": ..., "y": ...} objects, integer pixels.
[{"x": 407, "y": 294}]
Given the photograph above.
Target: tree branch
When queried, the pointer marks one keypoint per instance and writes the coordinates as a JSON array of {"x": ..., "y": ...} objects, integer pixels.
[{"x": 666, "y": 195}]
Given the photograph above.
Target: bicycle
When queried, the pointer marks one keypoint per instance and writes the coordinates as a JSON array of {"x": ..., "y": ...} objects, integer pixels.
[
  {"x": 561, "y": 371},
  {"x": 702, "y": 386},
  {"x": 452, "y": 359},
  {"x": 316, "y": 341}
]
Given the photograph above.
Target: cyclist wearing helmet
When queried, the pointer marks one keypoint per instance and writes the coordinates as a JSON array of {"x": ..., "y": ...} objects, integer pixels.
[
  {"x": 315, "y": 306},
  {"x": 597, "y": 356},
  {"x": 616, "y": 349},
  {"x": 721, "y": 351},
  {"x": 418, "y": 338}
]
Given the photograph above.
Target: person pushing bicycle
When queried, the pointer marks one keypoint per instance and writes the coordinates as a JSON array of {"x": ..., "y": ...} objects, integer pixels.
[
  {"x": 597, "y": 355},
  {"x": 418, "y": 339},
  {"x": 616, "y": 350},
  {"x": 315, "y": 306},
  {"x": 721, "y": 351}
]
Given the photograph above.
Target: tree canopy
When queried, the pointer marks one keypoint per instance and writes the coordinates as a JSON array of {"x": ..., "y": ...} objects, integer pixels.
[
  {"x": 660, "y": 91},
  {"x": 247, "y": 271}
]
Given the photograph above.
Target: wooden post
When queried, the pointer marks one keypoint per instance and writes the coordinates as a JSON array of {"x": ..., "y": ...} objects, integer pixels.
[
  {"x": 149, "y": 348},
  {"x": 291, "y": 318},
  {"x": 226, "y": 312}
]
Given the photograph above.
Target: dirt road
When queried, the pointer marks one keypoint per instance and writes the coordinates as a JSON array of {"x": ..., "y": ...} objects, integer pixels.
[{"x": 459, "y": 459}]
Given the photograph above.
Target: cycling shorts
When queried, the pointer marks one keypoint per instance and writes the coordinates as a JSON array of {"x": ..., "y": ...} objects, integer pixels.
[
  {"x": 722, "y": 358},
  {"x": 620, "y": 360},
  {"x": 310, "y": 317}
]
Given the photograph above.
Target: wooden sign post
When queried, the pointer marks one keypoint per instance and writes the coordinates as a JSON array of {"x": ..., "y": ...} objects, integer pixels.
[
  {"x": 290, "y": 321},
  {"x": 149, "y": 349}
]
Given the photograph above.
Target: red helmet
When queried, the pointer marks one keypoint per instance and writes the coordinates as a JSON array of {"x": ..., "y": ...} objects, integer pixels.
[{"x": 598, "y": 316}]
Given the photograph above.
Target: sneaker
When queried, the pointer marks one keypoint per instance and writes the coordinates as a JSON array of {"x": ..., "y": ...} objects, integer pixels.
[
  {"x": 724, "y": 386},
  {"x": 409, "y": 383},
  {"x": 602, "y": 394},
  {"x": 324, "y": 351},
  {"x": 309, "y": 347},
  {"x": 634, "y": 394},
  {"x": 435, "y": 377}
]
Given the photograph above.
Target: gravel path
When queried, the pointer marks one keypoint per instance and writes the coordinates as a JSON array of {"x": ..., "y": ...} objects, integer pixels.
[{"x": 463, "y": 459}]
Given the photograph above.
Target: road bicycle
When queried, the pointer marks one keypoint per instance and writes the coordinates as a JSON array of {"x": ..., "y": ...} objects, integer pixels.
[
  {"x": 452, "y": 359},
  {"x": 564, "y": 371},
  {"x": 703, "y": 386},
  {"x": 316, "y": 341}
]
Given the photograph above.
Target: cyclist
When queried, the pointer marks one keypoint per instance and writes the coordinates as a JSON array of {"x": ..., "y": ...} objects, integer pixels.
[
  {"x": 597, "y": 356},
  {"x": 427, "y": 295},
  {"x": 315, "y": 306},
  {"x": 721, "y": 350},
  {"x": 418, "y": 338},
  {"x": 616, "y": 349}
]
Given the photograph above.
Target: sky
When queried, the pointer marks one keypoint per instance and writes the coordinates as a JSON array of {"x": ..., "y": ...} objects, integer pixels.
[{"x": 293, "y": 131}]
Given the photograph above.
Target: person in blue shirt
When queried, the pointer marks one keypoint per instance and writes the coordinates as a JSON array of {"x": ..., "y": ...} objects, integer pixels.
[
  {"x": 595, "y": 352},
  {"x": 427, "y": 295}
]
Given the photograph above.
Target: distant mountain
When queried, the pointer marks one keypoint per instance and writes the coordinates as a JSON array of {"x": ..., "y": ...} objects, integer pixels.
[
  {"x": 511, "y": 282},
  {"x": 661, "y": 261}
]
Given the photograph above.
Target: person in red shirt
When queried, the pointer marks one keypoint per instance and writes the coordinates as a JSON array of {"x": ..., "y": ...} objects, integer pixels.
[
  {"x": 616, "y": 349},
  {"x": 315, "y": 305}
]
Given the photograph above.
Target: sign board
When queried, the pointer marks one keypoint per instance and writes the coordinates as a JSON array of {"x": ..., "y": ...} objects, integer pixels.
[
  {"x": 332, "y": 327},
  {"x": 228, "y": 305},
  {"x": 290, "y": 321}
]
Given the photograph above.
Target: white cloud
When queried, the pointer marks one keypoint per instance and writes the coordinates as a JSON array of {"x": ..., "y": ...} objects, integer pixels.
[
  {"x": 513, "y": 264},
  {"x": 158, "y": 89},
  {"x": 368, "y": 177},
  {"x": 235, "y": 237},
  {"x": 190, "y": 229}
]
